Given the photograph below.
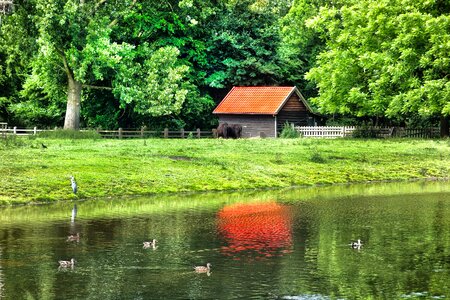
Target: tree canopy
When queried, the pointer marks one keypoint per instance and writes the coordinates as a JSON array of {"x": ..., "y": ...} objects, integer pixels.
[
  {"x": 383, "y": 59},
  {"x": 132, "y": 63}
]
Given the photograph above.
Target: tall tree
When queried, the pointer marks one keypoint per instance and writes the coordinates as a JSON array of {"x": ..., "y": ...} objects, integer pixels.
[
  {"x": 77, "y": 49},
  {"x": 300, "y": 44},
  {"x": 179, "y": 24},
  {"x": 384, "y": 58}
]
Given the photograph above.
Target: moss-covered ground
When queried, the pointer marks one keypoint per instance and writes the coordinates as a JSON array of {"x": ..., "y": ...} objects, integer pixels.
[{"x": 31, "y": 173}]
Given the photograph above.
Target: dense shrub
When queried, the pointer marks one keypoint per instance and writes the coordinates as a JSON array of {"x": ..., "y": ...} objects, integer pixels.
[
  {"x": 365, "y": 132},
  {"x": 289, "y": 131}
]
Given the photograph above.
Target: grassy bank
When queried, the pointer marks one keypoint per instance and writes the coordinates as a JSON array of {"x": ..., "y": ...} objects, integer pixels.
[{"x": 103, "y": 168}]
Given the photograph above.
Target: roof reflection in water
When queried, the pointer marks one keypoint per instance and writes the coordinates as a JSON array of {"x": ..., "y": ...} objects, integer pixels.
[{"x": 257, "y": 229}]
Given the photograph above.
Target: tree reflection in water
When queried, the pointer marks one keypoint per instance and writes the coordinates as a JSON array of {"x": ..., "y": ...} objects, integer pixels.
[
  {"x": 1, "y": 279},
  {"x": 257, "y": 229}
]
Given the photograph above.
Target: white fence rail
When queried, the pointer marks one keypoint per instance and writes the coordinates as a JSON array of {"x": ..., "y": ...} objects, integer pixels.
[
  {"x": 21, "y": 131},
  {"x": 325, "y": 131},
  {"x": 369, "y": 132}
]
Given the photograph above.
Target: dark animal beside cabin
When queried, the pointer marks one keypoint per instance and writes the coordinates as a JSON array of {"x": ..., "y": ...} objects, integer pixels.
[
  {"x": 229, "y": 131},
  {"x": 236, "y": 132},
  {"x": 222, "y": 130}
]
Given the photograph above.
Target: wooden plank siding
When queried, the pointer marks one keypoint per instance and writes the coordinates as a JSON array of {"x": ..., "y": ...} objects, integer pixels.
[
  {"x": 252, "y": 125},
  {"x": 294, "y": 104},
  {"x": 293, "y": 111},
  {"x": 296, "y": 118}
]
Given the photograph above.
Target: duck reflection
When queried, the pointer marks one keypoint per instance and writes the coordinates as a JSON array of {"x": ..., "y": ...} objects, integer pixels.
[{"x": 256, "y": 229}]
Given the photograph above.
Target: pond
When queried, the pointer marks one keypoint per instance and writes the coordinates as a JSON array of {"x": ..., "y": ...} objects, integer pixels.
[{"x": 289, "y": 244}]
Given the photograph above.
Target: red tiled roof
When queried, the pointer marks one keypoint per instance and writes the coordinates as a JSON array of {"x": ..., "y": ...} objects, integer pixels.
[{"x": 265, "y": 100}]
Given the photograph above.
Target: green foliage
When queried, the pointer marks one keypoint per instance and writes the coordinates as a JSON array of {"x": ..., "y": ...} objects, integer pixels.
[
  {"x": 39, "y": 106},
  {"x": 158, "y": 88},
  {"x": 300, "y": 44},
  {"x": 197, "y": 111},
  {"x": 17, "y": 46},
  {"x": 104, "y": 112},
  {"x": 83, "y": 41},
  {"x": 289, "y": 131},
  {"x": 383, "y": 58},
  {"x": 343, "y": 121},
  {"x": 242, "y": 45},
  {"x": 168, "y": 63},
  {"x": 365, "y": 132},
  {"x": 164, "y": 61},
  {"x": 317, "y": 157}
]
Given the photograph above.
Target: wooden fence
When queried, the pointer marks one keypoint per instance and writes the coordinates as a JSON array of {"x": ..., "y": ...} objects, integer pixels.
[
  {"x": 166, "y": 133},
  {"x": 3, "y": 127},
  {"x": 120, "y": 133},
  {"x": 305, "y": 131}
]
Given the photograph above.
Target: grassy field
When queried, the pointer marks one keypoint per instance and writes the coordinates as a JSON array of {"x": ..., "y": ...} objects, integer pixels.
[{"x": 30, "y": 173}]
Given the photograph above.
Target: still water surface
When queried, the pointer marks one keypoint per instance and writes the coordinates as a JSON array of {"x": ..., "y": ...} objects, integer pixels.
[{"x": 290, "y": 244}]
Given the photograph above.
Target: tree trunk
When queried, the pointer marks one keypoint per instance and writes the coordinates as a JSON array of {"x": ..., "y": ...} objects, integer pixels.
[
  {"x": 72, "y": 119},
  {"x": 445, "y": 126}
]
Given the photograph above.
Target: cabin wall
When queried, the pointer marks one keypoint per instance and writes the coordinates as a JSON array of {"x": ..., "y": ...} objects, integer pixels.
[
  {"x": 252, "y": 125},
  {"x": 294, "y": 112}
]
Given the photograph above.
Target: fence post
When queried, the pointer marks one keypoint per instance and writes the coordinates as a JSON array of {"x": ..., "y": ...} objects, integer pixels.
[
  {"x": 182, "y": 133},
  {"x": 34, "y": 130},
  {"x": 142, "y": 131},
  {"x": 15, "y": 130},
  {"x": 166, "y": 133},
  {"x": 198, "y": 133},
  {"x": 4, "y": 127},
  {"x": 214, "y": 132},
  {"x": 120, "y": 133}
]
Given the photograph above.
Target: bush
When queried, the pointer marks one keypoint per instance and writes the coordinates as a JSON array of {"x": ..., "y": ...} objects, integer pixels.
[
  {"x": 365, "y": 132},
  {"x": 70, "y": 134},
  {"x": 289, "y": 132},
  {"x": 316, "y": 157}
]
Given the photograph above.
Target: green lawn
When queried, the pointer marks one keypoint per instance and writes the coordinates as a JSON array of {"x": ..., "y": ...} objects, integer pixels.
[{"x": 110, "y": 168}]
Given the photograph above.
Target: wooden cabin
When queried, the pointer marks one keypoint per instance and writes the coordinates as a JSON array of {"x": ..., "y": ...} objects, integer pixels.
[{"x": 263, "y": 110}]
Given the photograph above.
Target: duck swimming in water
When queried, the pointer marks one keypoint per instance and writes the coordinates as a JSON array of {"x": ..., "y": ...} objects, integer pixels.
[
  {"x": 66, "y": 263},
  {"x": 203, "y": 269},
  {"x": 151, "y": 244},
  {"x": 74, "y": 237},
  {"x": 356, "y": 244}
]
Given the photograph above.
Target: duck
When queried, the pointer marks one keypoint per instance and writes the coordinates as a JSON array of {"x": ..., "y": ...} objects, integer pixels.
[
  {"x": 74, "y": 237},
  {"x": 66, "y": 263},
  {"x": 151, "y": 244},
  {"x": 203, "y": 269},
  {"x": 356, "y": 244}
]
